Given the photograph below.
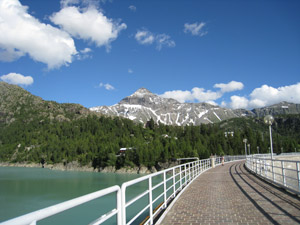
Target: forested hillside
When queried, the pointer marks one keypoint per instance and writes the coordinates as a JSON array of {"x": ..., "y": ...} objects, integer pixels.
[
  {"x": 34, "y": 130},
  {"x": 97, "y": 140}
]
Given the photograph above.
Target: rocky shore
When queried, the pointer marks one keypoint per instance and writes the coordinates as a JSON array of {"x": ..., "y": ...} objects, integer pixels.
[{"x": 75, "y": 166}]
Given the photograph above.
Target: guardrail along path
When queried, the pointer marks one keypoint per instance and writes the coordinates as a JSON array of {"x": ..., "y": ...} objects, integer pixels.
[{"x": 229, "y": 194}]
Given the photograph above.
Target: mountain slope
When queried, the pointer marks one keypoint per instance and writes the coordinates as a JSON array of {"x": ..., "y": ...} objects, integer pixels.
[{"x": 17, "y": 103}]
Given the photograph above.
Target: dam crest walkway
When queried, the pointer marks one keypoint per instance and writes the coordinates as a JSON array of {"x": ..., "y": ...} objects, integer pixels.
[{"x": 230, "y": 194}]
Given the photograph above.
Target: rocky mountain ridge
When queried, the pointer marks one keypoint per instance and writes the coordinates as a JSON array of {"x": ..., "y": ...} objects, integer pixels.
[{"x": 143, "y": 105}]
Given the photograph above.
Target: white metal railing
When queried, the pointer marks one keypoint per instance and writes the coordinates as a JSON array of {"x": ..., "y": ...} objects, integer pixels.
[
  {"x": 178, "y": 177},
  {"x": 32, "y": 218},
  {"x": 161, "y": 187},
  {"x": 285, "y": 173}
]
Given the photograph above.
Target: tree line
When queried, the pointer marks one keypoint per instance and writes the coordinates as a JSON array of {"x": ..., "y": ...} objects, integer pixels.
[{"x": 96, "y": 141}]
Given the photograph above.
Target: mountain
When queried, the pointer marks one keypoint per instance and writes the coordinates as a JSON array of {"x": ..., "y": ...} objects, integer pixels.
[
  {"x": 143, "y": 105},
  {"x": 17, "y": 103},
  {"x": 282, "y": 108}
]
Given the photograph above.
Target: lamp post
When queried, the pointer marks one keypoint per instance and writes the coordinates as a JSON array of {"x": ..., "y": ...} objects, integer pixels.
[
  {"x": 249, "y": 149},
  {"x": 245, "y": 141},
  {"x": 269, "y": 120}
]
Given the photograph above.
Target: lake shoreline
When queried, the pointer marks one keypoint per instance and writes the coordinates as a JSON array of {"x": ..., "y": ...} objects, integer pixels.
[{"x": 75, "y": 166}]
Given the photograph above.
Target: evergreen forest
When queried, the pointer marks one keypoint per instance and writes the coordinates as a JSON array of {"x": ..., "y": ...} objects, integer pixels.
[{"x": 96, "y": 140}]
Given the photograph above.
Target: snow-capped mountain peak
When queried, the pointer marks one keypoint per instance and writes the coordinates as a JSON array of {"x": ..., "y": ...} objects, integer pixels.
[
  {"x": 143, "y": 105},
  {"x": 141, "y": 93}
]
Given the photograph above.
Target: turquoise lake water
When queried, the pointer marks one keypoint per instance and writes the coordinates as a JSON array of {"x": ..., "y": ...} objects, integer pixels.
[{"x": 23, "y": 190}]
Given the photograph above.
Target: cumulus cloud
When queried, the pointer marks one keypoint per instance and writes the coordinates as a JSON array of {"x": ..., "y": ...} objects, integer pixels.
[
  {"x": 132, "y": 8},
  {"x": 202, "y": 95},
  {"x": 145, "y": 37},
  {"x": 16, "y": 78},
  {"x": 266, "y": 96},
  {"x": 130, "y": 70},
  {"x": 231, "y": 86},
  {"x": 179, "y": 95},
  {"x": 88, "y": 24},
  {"x": 195, "y": 29},
  {"x": 21, "y": 34},
  {"x": 107, "y": 86}
]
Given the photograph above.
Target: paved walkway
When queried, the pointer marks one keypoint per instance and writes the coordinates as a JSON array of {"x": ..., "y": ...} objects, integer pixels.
[{"x": 229, "y": 194}]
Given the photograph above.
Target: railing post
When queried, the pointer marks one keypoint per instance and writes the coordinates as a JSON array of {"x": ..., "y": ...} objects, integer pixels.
[
  {"x": 123, "y": 204},
  {"x": 185, "y": 182},
  {"x": 193, "y": 169},
  {"x": 150, "y": 201},
  {"x": 165, "y": 190},
  {"x": 298, "y": 175},
  {"x": 273, "y": 174},
  {"x": 256, "y": 161},
  {"x": 180, "y": 177},
  {"x": 119, "y": 207},
  {"x": 283, "y": 173},
  {"x": 190, "y": 171},
  {"x": 174, "y": 183}
]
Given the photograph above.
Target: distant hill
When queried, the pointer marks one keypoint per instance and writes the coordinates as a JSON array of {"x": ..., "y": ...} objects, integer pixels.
[{"x": 15, "y": 102}]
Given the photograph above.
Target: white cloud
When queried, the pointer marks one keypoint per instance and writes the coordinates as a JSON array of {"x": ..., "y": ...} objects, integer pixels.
[
  {"x": 238, "y": 102},
  {"x": 195, "y": 29},
  {"x": 202, "y": 95},
  {"x": 164, "y": 40},
  {"x": 89, "y": 24},
  {"x": 16, "y": 78},
  {"x": 231, "y": 86},
  {"x": 145, "y": 37},
  {"x": 66, "y": 3},
  {"x": 107, "y": 86},
  {"x": 130, "y": 71},
  {"x": 181, "y": 96},
  {"x": 84, "y": 54},
  {"x": 23, "y": 34},
  {"x": 266, "y": 96},
  {"x": 132, "y": 8}
]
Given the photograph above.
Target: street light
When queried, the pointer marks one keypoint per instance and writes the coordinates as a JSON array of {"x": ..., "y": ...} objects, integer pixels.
[
  {"x": 245, "y": 141},
  {"x": 249, "y": 149},
  {"x": 269, "y": 120}
]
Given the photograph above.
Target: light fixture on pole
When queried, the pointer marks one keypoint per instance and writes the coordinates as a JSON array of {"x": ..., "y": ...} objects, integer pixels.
[
  {"x": 269, "y": 121},
  {"x": 249, "y": 149}
]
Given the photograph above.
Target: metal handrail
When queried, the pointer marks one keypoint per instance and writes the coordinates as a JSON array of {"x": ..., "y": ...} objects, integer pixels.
[
  {"x": 284, "y": 173},
  {"x": 32, "y": 218},
  {"x": 179, "y": 176}
]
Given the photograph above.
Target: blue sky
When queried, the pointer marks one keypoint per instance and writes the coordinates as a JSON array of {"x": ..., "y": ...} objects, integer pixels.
[{"x": 235, "y": 53}]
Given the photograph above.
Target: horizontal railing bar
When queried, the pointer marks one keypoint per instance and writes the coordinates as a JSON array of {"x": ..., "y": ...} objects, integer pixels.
[
  {"x": 137, "y": 215},
  {"x": 58, "y": 208},
  {"x": 104, "y": 217},
  {"x": 136, "y": 198},
  {"x": 158, "y": 185}
]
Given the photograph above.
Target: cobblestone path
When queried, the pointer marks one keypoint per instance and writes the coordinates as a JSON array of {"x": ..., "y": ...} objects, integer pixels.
[{"x": 229, "y": 194}]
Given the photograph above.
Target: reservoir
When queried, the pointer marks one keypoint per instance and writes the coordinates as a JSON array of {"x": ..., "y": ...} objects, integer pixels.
[{"x": 23, "y": 190}]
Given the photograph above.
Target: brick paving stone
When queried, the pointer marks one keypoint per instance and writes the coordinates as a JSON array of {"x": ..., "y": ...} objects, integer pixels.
[{"x": 229, "y": 194}]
